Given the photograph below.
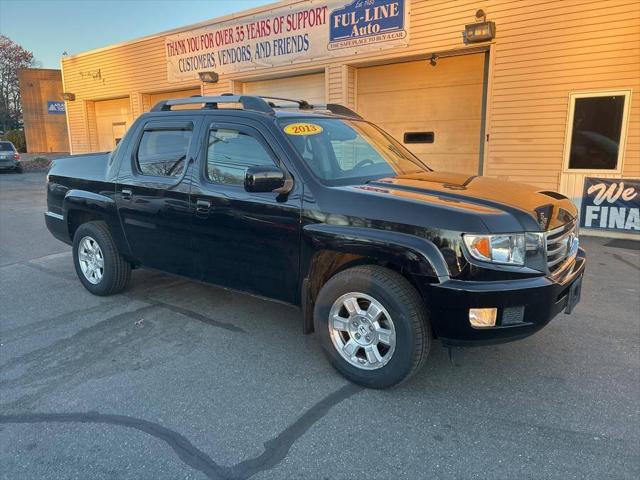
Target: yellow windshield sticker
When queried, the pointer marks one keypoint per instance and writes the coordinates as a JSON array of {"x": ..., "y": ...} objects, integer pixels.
[{"x": 303, "y": 129}]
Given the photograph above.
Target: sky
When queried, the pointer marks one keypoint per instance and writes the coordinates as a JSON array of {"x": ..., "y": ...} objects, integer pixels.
[{"x": 49, "y": 27}]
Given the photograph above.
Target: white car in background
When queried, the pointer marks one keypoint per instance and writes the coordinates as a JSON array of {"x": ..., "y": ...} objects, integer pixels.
[{"x": 9, "y": 157}]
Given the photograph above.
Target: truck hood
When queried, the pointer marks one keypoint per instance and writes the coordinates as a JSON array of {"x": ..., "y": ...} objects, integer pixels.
[{"x": 535, "y": 208}]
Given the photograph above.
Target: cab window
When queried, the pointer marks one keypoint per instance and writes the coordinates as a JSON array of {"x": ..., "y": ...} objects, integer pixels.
[{"x": 229, "y": 154}]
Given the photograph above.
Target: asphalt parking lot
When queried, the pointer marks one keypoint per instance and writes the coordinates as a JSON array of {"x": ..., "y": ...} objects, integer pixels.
[{"x": 179, "y": 380}]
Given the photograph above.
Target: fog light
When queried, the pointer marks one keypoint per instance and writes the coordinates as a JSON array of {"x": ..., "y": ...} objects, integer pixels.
[{"x": 483, "y": 317}]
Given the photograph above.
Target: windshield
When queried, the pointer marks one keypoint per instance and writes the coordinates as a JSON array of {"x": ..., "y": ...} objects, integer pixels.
[
  {"x": 345, "y": 152},
  {"x": 6, "y": 147}
]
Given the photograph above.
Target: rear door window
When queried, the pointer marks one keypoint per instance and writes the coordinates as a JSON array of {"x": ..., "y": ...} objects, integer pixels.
[{"x": 163, "y": 148}]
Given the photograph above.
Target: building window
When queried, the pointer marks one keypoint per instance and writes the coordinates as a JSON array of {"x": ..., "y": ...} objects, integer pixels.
[
  {"x": 230, "y": 153},
  {"x": 596, "y": 131}
]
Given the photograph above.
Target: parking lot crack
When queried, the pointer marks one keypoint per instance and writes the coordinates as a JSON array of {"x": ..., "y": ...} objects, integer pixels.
[
  {"x": 64, "y": 275},
  {"x": 625, "y": 261},
  {"x": 275, "y": 450},
  {"x": 185, "y": 450},
  {"x": 197, "y": 316}
]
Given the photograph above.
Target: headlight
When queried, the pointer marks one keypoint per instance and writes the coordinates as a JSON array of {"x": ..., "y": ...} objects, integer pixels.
[{"x": 506, "y": 249}]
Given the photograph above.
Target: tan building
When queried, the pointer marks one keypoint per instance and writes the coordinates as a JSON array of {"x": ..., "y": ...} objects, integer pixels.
[
  {"x": 551, "y": 99},
  {"x": 43, "y": 110}
]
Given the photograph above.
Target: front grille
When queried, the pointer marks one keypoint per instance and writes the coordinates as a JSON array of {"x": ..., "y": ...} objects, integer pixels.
[{"x": 561, "y": 245}]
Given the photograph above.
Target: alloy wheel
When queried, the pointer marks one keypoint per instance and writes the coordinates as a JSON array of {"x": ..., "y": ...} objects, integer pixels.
[
  {"x": 91, "y": 260},
  {"x": 362, "y": 331}
]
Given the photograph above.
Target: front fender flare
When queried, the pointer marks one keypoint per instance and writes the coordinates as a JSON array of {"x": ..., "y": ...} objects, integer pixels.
[{"x": 420, "y": 254}]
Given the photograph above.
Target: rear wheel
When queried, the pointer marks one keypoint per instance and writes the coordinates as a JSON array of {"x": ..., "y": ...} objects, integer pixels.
[
  {"x": 19, "y": 169},
  {"x": 99, "y": 266},
  {"x": 373, "y": 326}
]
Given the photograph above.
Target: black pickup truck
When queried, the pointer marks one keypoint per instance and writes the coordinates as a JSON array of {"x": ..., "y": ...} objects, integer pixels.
[{"x": 316, "y": 207}]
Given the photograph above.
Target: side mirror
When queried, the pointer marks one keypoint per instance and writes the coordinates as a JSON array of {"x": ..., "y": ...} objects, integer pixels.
[{"x": 267, "y": 179}]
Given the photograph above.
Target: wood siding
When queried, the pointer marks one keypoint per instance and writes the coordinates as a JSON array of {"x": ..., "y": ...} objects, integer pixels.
[
  {"x": 44, "y": 132},
  {"x": 583, "y": 47},
  {"x": 543, "y": 51}
]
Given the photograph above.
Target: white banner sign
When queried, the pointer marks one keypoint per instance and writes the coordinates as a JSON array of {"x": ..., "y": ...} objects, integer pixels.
[{"x": 309, "y": 31}]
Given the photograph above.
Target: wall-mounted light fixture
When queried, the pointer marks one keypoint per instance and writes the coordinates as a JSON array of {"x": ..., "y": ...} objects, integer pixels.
[
  {"x": 208, "y": 77},
  {"x": 481, "y": 31},
  {"x": 433, "y": 59},
  {"x": 69, "y": 97}
]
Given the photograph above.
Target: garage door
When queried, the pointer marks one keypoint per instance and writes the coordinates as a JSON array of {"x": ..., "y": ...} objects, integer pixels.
[
  {"x": 303, "y": 87},
  {"x": 418, "y": 99},
  {"x": 158, "y": 97},
  {"x": 112, "y": 120}
]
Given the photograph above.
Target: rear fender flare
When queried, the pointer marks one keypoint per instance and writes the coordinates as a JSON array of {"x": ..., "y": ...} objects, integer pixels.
[
  {"x": 89, "y": 202},
  {"x": 99, "y": 206}
]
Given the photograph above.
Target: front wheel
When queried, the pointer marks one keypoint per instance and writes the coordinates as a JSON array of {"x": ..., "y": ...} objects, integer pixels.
[
  {"x": 99, "y": 265},
  {"x": 373, "y": 326}
]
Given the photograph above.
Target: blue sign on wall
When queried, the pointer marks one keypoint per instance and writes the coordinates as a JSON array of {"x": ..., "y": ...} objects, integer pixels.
[
  {"x": 55, "y": 107},
  {"x": 363, "y": 22},
  {"x": 611, "y": 204}
]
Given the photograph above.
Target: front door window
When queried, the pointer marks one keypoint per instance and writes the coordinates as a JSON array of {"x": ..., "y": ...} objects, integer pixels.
[{"x": 230, "y": 152}]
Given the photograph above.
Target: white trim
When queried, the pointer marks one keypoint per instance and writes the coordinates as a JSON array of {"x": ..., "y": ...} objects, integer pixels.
[
  {"x": 488, "y": 107},
  {"x": 66, "y": 110},
  {"x": 57, "y": 216},
  {"x": 623, "y": 130},
  {"x": 590, "y": 232}
]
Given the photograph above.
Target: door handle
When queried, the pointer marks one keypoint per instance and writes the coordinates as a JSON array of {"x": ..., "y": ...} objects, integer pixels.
[
  {"x": 203, "y": 206},
  {"x": 126, "y": 194}
]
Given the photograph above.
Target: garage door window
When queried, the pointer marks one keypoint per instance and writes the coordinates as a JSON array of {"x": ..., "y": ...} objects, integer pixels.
[
  {"x": 162, "y": 151},
  {"x": 596, "y": 131},
  {"x": 230, "y": 153}
]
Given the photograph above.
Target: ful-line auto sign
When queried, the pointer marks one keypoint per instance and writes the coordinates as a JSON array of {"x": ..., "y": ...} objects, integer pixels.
[
  {"x": 304, "y": 32},
  {"x": 611, "y": 204},
  {"x": 364, "y": 22}
]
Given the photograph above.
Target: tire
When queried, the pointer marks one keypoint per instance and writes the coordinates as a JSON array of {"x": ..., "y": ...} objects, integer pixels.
[
  {"x": 401, "y": 337},
  {"x": 115, "y": 273},
  {"x": 19, "y": 169}
]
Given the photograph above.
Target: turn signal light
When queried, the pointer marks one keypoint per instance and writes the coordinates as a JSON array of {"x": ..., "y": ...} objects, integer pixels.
[
  {"x": 482, "y": 246},
  {"x": 483, "y": 317}
]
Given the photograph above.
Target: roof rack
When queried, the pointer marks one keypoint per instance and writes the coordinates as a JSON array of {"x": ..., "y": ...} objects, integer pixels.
[
  {"x": 302, "y": 104},
  {"x": 338, "y": 109},
  {"x": 334, "y": 108},
  {"x": 261, "y": 104},
  {"x": 248, "y": 102}
]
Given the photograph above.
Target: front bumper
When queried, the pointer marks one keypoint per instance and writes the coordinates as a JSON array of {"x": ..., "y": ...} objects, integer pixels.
[{"x": 524, "y": 306}]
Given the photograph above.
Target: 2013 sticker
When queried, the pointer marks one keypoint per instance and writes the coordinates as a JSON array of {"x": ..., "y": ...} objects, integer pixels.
[{"x": 302, "y": 129}]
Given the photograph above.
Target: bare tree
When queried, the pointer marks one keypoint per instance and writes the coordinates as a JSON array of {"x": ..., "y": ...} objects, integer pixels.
[{"x": 12, "y": 58}]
